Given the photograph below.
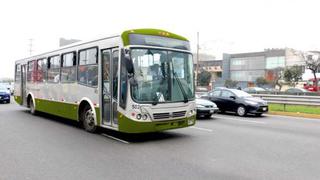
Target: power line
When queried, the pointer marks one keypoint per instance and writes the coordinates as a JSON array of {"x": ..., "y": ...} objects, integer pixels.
[{"x": 30, "y": 46}]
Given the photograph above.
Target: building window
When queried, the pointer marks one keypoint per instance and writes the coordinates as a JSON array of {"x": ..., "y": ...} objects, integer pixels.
[
  {"x": 275, "y": 62},
  {"x": 68, "y": 70},
  {"x": 41, "y": 70},
  {"x": 54, "y": 69},
  {"x": 88, "y": 67}
]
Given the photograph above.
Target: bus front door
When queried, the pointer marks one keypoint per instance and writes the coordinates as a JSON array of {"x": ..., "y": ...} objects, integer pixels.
[{"x": 109, "y": 58}]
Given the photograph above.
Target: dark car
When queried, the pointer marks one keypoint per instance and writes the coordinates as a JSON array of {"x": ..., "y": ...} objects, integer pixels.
[
  {"x": 205, "y": 108},
  {"x": 296, "y": 91},
  {"x": 254, "y": 90},
  {"x": 4, "y": 95},
  {"x": 237, "y": 101}
]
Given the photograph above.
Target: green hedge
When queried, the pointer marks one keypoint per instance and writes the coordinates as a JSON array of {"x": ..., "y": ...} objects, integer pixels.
[{"x": 295, "y": 108}]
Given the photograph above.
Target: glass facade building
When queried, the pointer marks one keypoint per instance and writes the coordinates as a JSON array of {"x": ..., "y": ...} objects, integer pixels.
[{"x": 247, "y": 67}]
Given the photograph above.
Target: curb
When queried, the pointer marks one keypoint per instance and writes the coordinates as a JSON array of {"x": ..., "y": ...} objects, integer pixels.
[{"x": 295, "y": 114}]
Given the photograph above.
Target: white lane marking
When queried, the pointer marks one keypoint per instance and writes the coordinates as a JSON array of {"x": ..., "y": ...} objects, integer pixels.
[
  {"x": 243, "y": 120},
  {"x": 202, "y": 129},
  {"x": 114, "y": 138}
]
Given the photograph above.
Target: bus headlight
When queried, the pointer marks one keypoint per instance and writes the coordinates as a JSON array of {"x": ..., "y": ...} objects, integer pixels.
[
  {"x": 192, "y": 112},
  {"x": 144, "y": 117},
  {"x": 138, "y": 116}
]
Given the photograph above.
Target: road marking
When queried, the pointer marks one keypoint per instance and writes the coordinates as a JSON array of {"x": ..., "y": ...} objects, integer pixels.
[
  {"x": 114, "y": 138},
  {"x": 202, "y": 129},
  {"x": 249, "y": 121}
]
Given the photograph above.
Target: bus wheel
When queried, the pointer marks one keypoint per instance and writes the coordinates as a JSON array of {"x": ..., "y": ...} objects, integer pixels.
[
  {"x": 32, "y": 109},
  {"x": 88, "y": 119}
]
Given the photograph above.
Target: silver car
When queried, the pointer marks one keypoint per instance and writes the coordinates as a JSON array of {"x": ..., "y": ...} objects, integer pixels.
[{"x": 205, "y": 108}]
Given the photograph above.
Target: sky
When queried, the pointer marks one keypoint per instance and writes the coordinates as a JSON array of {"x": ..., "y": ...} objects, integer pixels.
[{"x": 228, "y": 26}]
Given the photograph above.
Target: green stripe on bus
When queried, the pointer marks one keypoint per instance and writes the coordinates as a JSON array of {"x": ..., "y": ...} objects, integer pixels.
[
  {"x": 18, "y": 99},
  {"x": 154, "y": 32},
  {"x": 130, "y": 126},
  {"x": 62, "y": 109}
]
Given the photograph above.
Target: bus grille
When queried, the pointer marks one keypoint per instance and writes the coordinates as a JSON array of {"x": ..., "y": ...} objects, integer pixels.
[
  {"x": 161, "y": 115},
  {"x": 168, "y": 115},
  {"x": 178, "y": 114}
]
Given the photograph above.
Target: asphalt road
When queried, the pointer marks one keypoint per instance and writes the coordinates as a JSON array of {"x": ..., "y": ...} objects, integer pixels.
[{"x": 223, "y": 147}]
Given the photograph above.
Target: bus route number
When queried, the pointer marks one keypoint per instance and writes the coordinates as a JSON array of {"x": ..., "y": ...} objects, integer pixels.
[{"x": 135, "y": 106}]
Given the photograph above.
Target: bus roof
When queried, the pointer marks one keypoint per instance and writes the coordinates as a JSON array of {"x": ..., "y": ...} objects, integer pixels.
[
  {"x": 154, "y": 32},
  {"x": 124, "y": 36}
]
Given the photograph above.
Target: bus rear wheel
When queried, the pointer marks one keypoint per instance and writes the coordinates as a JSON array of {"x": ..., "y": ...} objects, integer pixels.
[
  {"x": 32, "y": 108},
  {"x": 87, "y": 118}
]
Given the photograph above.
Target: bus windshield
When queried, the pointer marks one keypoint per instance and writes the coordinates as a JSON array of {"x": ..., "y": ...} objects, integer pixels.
[{"x": 162, "y": 76}]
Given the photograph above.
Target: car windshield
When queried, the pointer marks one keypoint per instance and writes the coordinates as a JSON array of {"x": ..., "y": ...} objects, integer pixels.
[
  {"x": 240, "y": 93},
  {"x": 162, "y": 76}
]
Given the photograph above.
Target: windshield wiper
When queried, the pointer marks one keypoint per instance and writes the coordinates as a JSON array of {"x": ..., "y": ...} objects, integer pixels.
[
  {"x": 185, "y": 97},
  {"x": 155, "y": 100}
]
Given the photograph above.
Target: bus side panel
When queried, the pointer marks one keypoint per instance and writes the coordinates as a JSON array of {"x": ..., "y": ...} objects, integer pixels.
[
  {"x": 65, "y": 110},
  {"x": 18, "y": 99}
]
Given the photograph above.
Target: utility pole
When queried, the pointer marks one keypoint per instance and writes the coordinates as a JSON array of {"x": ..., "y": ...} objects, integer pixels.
[
  {"x": 197, "y": 70},
  {"x": 30, "y": 46}
]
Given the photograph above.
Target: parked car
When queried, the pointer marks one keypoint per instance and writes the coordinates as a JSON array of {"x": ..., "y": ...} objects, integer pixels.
[
  {"x": 4, "y": 95},
  {"x": 205, "y": 108},
  {"x": 254, "y": 90},
  {"x": 237, "y": 101},
  {"x": 296, "y": 91}
]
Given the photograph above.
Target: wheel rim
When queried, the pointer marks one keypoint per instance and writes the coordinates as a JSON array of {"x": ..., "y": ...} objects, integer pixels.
[
  {"x": 31, "y": 107},
  {"x": 89, "y": 120},
  {"x": 241, "y": 111}
]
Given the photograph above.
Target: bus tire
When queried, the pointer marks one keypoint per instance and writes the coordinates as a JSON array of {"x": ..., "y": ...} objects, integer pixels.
[
  {"x": 32, "y": 108},
  {"x": 87, "y": 119}
]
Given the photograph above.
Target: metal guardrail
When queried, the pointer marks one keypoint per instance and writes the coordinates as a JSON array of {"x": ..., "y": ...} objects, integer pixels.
[{"x": 290, "y": 99}]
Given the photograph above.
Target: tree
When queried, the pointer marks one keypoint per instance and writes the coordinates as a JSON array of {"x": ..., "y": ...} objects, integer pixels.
[
  {"x": 312, "y": 60},
  {"x": 293, "y": 75},
  {"x": 204, "y": 78},
  {"x": 230, "y": 83},
  {"x": 261, "y": 81},
  {"x": 277, "y": 74}
]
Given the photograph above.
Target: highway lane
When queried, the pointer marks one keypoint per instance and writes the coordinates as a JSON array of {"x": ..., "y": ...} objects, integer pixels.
[{"x": 223, "y": 147}]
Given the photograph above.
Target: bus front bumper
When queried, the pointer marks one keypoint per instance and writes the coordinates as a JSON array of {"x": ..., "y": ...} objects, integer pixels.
[{"x": 130, "y": 126}]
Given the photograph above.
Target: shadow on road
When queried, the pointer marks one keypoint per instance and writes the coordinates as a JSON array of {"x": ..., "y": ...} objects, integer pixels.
[
  {"x": 247, "y": 116},
  {"x": 132, "y": 138}
]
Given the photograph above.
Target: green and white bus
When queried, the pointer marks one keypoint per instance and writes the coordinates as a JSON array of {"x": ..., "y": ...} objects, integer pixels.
[{"x": 139, "y": 81}]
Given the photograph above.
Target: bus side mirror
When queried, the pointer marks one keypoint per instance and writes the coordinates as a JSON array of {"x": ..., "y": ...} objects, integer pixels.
[
  {"x": 127, "y": 61},
  {"x": 129, "y": 65}
]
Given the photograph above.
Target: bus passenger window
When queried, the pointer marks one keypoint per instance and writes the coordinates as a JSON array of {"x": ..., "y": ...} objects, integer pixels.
[
  {"x": 88, "y": 68},
  {"x": 54, "y": 69},
  {"x": 68, "y": 70}
]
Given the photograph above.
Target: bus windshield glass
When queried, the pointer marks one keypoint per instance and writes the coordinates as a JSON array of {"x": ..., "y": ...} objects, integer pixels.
[
  {"x": 162, "y": 76},
  {"x": 149, "y": 40}
]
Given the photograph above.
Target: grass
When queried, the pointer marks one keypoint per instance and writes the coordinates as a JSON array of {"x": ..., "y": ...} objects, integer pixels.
[{"x": 295, "y": 108}]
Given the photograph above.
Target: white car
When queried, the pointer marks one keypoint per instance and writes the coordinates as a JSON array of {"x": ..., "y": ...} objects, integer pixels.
[{"x": 205, "y": 108}]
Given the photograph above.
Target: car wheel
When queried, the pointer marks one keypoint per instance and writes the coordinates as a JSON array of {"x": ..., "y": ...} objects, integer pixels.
[
  {"x": 241, "y": 111},
  {"x": 87, "y": 118}
]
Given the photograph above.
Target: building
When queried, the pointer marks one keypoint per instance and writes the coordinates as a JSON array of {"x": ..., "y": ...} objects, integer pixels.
[
  {"x": 212, "y": 66},
  {"x": 247, "y": 67}
]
